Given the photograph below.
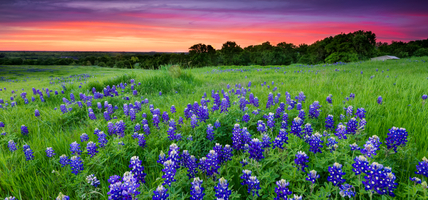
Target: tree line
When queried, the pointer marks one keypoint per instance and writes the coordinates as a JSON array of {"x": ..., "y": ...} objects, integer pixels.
[{"x": 344, "y": 47}]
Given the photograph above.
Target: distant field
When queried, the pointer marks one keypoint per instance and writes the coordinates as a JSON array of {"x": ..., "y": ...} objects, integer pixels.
[{"x": 401, "y": 85}]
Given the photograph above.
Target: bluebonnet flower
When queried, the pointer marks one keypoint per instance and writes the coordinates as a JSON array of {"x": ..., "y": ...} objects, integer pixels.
[
  {"x": 76, "y": 164},
  {"x": 92, "y": 116},
  {"x": 124, "y": 190},
  {"x": 351, "y": 126},
  {"x": 102, "y": 139},
  {"x": 165, "y": 117},
  {"x": 137, "y": 127},
  {"x": 25, "y": 147},
  {"x": 266, "y": 141},
  {"x": 416, "y": 180},
  {"x": 347, "y": 190},
  {"x": 12, "y": 146},
  {"x": 256, "y": 150},
  {"x": 296, "y": 128},
  {"x": 301, "y": 160},
  {"x": 302, "y": 115},
  {"x": 270, "y": 120},
  {"x": 396, "y": 137},
  {"x": 24, "y": 130},
  {"x": 246, "y": 117},
  {"x": 336, "y": 174},
  {"x": 244, "y": 162},
  {"x": 379, "y": 179},
  {"x": 10, "y": 197},
  {"x": 379, "y": 100},
  {"x": 111, "y": 128},
  {"x": 63, "y": 160},
  {"x": 197, "y": 191},
  {"x": 146, "y": 129},
  {"x": 162, "y": 158},
  {"x": 284, "y": 125},
  {"x": 314, "y": 142},
  {"x": 194, "y": 121},
  {"x": 371, "y": 146},
  {"x": 278, "y": 142},
  {"x": 75, "y": 148},
  {"x": 236, "y": 138},
  {"x": 362, "y": 124},
  {"x": 160, "y": 193},
  {"x": 92, "y": 179},
  {"x": 227, "y": 153},
  {"x": 171, "y": 133},
  {"x": 329, "y": 99},
  {"x": 424, "y": 97},
  {"x": 245, "y": 176},
  {"x": 132, "y": 114},
  {"x": 125, "y": 109},
  {"x": 422, "y": 167},
  {"x": 361, "y": 165},
  {"x": 312, "y": 176},
  {"x": 329, "y": 122},
  {"x": 350, "y": 111},
  {"x": 261, "y": 127},
  {"x": 173, "y": 110},
  {"x": 217, "y": 124},
  {"x": 97, "y": 131},
  {"x": 50, "y": 152},
  {"x": 1, "y": 124},
  {"x": 169, "y": 171},
  {"x": 156, "y": 121},
  {"x": 120, "y": 128},
  {"x": 36, "y": 113},
  {"x": 29, "y": 154},
  {"x": 253, "y": 185},
  {"x": 314, "y": 111},
  {"x": 361, "y": 113},
  {"x": 341, "y": 131},
  {"x": 141, "y": 140},
  {"x": 84, "y": 137},
  {"x": 308, "y": 129},
  {"x": 341, "y": 117},
  {"x": 224, "y": 105},
  {"x": 301, "y": 97},
  {"x": 144, "y": 121},
  {"x": 245, "y": 136},
  {"x": 243, "y": 103},
  {"x": 256, "y": 102},
  {"x": 192, "y": 167},
  {"x": 106, "y": 116},
  {"x": 210, "y": 164},
  {"x": 210, "y": 132},
  {"x": 269, "y": 102},
  {"x": 137, "y": 169},
  {"x": 59, "y": 197},
  {"x": 354, "y": 147},
  {"x": 282, "y": 190},
  {"x": 298, "y": 106},
  {"x": 332, "y": 144}
]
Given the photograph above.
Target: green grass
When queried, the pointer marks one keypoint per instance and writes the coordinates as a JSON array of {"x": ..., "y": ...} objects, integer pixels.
[{"x": 400, "y": 83}]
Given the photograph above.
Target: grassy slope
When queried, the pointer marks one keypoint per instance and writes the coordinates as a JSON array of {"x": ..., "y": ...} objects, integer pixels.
[{"x": 402, "y": 107}]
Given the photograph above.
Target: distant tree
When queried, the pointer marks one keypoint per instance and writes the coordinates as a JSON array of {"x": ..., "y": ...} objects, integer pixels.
[
  {"x": 229, "y": 51},
  {"x": 201, "y": 55}
]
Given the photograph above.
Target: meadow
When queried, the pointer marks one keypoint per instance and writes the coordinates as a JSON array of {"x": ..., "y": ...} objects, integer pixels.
[{"x": 239, "y": 146}]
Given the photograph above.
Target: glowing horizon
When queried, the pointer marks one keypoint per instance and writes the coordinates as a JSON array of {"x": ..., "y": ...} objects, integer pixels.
[{"x": 174, "y": 26}]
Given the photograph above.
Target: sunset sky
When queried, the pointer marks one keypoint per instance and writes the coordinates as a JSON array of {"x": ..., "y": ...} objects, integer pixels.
[{"x": 175, "y": 25}]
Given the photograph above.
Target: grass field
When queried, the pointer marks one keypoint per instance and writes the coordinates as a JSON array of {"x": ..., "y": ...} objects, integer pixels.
[{"x": 401, "y": 85}]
